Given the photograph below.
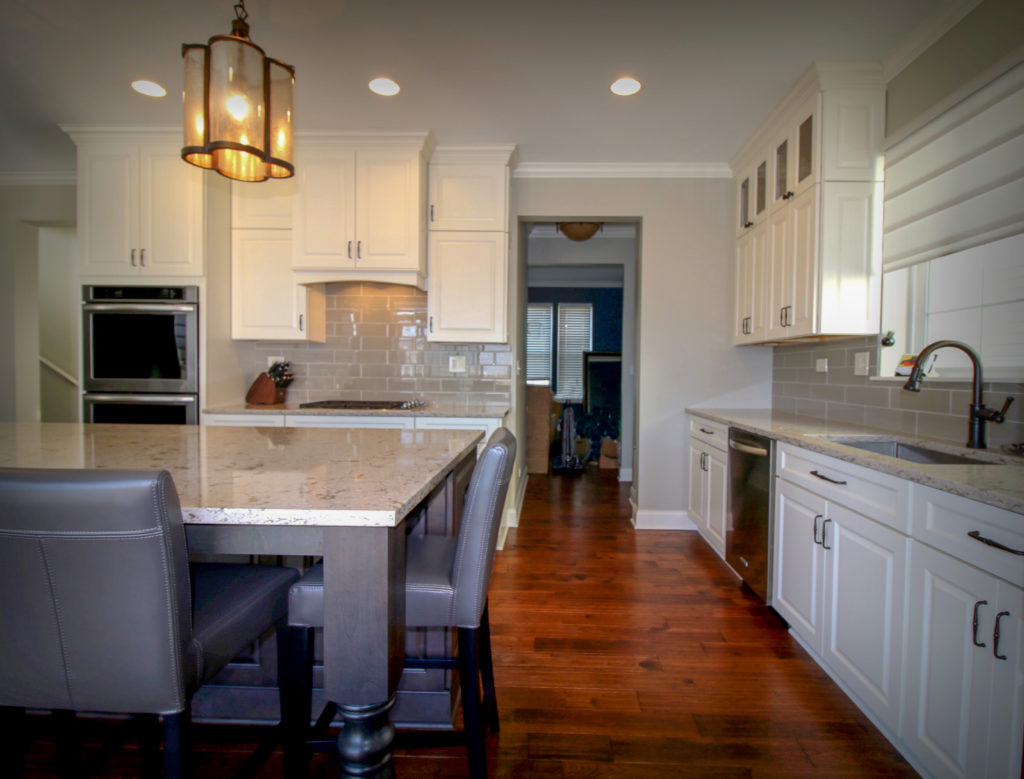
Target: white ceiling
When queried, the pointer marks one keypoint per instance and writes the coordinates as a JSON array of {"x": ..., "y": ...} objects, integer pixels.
[{"x": 532, "y": 72}]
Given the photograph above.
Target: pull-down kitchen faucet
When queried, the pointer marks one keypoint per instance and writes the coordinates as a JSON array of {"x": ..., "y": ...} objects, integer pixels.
[{"x": 980, "y": 413}]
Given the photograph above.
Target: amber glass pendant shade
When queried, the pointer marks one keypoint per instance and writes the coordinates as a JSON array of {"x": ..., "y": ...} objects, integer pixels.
[
  {"x": 238, "y": 108},
  {"x": 579, "y": 231}
]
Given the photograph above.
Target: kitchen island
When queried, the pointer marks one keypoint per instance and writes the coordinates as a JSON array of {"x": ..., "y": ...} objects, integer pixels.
[{"x": 343, "y": 494}]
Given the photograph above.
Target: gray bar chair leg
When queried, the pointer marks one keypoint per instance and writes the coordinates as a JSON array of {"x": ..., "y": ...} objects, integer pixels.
[
  {"x": 67, "y": 743},
  {"x": 490, "y": 702}
]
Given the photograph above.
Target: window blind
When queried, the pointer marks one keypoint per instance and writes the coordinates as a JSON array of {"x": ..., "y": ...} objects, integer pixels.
[
  {"x": 958, "y": 182},
  {"x": 574, "y": 338},
  {"x": 539, "y": 318}
]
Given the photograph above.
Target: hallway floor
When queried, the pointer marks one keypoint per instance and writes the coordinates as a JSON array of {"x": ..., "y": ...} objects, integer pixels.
[{"x": 619, "y": 654}]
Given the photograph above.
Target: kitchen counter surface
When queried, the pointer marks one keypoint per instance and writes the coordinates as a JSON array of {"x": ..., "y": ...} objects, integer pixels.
[
  {"x": 248, "y": 475},
  {"x": 440, "y": 408},
  {"x": 998, "y": 482}
]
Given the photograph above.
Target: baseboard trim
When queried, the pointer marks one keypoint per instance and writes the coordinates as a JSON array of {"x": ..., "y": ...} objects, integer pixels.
[
  {"x": 513, "y": 511},
  {"x": 646, "y": 519},
  {"x": 625, "y": 474}
]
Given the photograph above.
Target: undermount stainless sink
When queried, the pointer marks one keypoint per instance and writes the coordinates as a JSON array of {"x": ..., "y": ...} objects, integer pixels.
[{"x": 909, "y": 452}]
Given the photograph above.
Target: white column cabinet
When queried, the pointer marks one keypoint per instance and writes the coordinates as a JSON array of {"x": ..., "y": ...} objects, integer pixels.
[
  {"x": 824, "y": 180},
  {"x": 140, "y": 207},
  {"x": 751, "y": 267},
  {"x": 468, "y": 246}
]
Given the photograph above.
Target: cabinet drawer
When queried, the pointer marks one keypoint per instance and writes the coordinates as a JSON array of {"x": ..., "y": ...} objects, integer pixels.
[
  {"x": 713, "y": 433},
  {"x": 943, "y": 520},
  {"x": 244, "y": 420},
  {"x": 880, "y": 496},
  {"x": 325, "y": 420}
]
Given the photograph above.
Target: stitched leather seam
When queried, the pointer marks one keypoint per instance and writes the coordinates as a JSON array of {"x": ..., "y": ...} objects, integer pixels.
[
  {"x": 60, "y": 623},
  {"x": 159, "y": 504}
]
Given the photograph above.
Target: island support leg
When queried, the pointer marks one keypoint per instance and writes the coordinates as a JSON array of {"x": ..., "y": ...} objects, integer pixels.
[{"x": 364, "y": 640}]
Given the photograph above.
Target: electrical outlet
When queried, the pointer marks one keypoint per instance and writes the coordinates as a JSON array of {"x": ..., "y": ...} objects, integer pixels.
[
  {"x": 861, "y": 363},
  {"x": 821, "y": 365},
  {"x": 272, "y": 360},
  {"x": 457, "y": 363}
]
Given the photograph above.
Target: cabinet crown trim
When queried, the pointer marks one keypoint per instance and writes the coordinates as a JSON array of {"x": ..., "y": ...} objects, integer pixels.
[{"x": 461, "y": 155}]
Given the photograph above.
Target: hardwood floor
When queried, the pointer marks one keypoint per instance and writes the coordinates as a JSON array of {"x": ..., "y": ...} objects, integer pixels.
[{"x": 621, "y": 654}]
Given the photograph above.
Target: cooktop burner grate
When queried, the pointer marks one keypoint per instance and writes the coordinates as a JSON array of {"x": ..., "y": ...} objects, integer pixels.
[{"x": 366, "y": 405}]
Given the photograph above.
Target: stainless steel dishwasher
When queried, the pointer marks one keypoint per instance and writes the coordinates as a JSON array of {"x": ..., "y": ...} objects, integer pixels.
[{"x": 748, "y": 534}]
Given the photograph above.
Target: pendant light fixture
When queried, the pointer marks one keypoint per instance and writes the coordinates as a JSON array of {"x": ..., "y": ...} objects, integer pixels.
[{"x": 238, "y": 107}]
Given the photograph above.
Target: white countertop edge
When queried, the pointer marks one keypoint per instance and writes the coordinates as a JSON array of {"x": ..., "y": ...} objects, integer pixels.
[
  {"x": 289, "y": 517},
  {"x": 986, "y": 483}
]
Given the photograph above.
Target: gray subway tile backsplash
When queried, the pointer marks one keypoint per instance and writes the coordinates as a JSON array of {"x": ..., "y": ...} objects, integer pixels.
[
  {"x": 938, "y": 411},
  {"x": 377, "y": 347}
]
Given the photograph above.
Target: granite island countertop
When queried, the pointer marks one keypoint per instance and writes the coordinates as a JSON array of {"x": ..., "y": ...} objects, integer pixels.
[
  {"x": 432, "y": 408},
  {"x": 249, "y": 475},
  {"x": 997, "y": 482}
]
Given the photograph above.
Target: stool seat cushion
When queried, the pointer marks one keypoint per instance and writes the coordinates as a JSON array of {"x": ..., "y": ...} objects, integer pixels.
[{"x": 232, "y": 604}]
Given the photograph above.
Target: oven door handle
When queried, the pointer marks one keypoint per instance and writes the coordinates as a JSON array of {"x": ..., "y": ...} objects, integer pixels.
[
  {"x": 146, "y": 308},
  {"x": 748, "y": 449},
  {"x": 124, "y": 397}
]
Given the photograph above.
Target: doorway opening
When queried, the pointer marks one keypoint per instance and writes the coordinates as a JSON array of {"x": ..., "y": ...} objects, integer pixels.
[{"x": 580, "y": 348}]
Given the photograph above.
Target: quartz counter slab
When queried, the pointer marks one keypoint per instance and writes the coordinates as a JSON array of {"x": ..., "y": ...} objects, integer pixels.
[
  {"x": 244, "y": 475},
  {"x": 1000, "y": 484},
  {"x": 440, "y": 408}
]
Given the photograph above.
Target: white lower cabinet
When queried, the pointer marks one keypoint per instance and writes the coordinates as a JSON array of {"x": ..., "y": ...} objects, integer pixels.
[
  {"x": 916, "y": 619},
  {"x": 709, "y": 482}
]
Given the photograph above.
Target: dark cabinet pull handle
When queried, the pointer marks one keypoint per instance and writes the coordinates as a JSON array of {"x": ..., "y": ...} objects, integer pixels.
[
  {"x": 142, "y": 257},
  {"x": 709, "y": 432},
  {"x": 350, "y": 250},
  {"x": 431, "y": 212},
  {"x": 826, "y": 478},
  {"x": 974, "y": 622},
  {"x": 823, "y": 526},
  {"x": 748, "y": 224},
  {"x": 995, "y": 636},
  {"x": 977, "y": 536},
  {"x": 300, "y": 323},
  {"x": 359, "y": 250},
  {"x": 814, "y": 530},
  {"x": 133, "y": 258}
]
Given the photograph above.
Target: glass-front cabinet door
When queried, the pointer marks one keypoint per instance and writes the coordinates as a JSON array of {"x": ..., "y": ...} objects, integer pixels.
[{"x": 794, "y": 156}]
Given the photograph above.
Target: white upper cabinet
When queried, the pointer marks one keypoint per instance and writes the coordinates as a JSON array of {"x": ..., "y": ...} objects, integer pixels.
[
  {"x": 359, "y": 213},
  {"x": 822, "y": 204},
  {"x": 467, "y": 292},
  {"x": 468, "y": 196},
  {"x": 140, "y": 206}
]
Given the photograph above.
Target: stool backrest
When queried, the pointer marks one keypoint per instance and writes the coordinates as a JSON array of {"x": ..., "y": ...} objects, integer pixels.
[
  {"x": 95, "y": 610},
  {"x": 478, "y": 531}
]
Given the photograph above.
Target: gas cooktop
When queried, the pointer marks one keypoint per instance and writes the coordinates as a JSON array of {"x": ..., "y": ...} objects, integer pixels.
[{"x": 365, "y": 405}]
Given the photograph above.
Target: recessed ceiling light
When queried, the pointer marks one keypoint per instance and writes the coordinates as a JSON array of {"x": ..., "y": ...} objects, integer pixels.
[
  {"x": 384, "y": 86},
  {"x": 625, "y": 86},
  {"x": 150, "y": 88}
]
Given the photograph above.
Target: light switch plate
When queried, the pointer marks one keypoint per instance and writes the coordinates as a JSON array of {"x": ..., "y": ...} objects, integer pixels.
[
  {"x": 861, "y": 363},
  {"x": 821, "y": 365},
  {"x": 457, "y": 363}
]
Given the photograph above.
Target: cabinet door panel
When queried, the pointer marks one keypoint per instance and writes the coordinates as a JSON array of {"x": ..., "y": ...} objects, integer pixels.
[
  {"x": 779, "y": 277},
  {"x": 947, "y": 691},
  {"x": 266, "y": 301},
  {"x": 864, "y": 591},
  {"x": 697, "y": 487},
  {"x": 466, "y": 299},
  {"x": 717, "y": 487},
  {"x": 468, "y": 197},
  {"x": 1006, "y": 723},
  {"x": 324, "y": 213},
  {"x": 803, "y": 264},
  {"x": 798, "y": 572},
  {"x": 108, "y": 209},
  {"x": 387, "y": 210},
  {"x": 171, "y": 214}
]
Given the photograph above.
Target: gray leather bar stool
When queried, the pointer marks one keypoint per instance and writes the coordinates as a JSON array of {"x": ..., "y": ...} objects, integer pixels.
[
  {"x": 99, "y": 612},
  {"x": 446, "y": 581}
]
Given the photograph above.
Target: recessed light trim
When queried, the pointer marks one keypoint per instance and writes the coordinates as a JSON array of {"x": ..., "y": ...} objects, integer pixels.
[
  {"x": 627, "y": 85},
  {"x": 148, "y": 88},
  {"x": 384, "y": 86}
]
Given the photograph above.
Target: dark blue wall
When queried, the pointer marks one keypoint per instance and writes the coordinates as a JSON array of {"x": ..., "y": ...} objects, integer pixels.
[{"x": 607, "y": 322}]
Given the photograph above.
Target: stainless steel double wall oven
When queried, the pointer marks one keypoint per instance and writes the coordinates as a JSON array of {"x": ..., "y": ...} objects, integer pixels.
[{"x": 141, "y": 354}]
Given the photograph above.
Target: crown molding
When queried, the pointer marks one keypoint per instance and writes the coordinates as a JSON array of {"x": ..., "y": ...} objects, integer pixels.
[
  {"x": 26, "y": 178},
  {"x": 623, "y": 170}
]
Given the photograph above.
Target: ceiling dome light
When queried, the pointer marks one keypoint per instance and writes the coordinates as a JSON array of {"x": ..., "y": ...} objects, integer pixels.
[
  {"x": 625, "y": 86},
  {"x": 149, "y": 88},
  {"x": 238, "y": 107},
  {"x": 384, "y": 86}
]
